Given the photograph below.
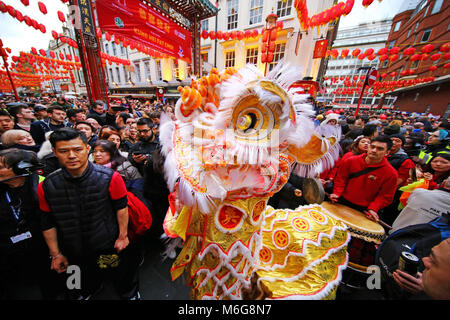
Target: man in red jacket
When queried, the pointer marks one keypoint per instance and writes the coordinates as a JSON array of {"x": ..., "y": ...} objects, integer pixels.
[{"x": 367, "y": 182}]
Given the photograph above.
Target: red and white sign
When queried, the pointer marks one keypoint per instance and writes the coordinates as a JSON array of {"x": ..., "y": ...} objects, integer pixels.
[
  {"x": 137, "y": 21},
  {"x": 372, "y": 77}
]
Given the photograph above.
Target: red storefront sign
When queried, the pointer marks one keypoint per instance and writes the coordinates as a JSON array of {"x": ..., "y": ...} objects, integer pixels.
[
  {"x": 137, "y": 21},
  {"x": 320, "y": 49}
]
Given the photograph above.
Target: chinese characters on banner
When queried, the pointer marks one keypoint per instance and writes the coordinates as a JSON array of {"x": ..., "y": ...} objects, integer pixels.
[
  {"x": 137, "y": 21},
  {"x": 87, "y": 24},
  {"x": 320, "y": 49}
]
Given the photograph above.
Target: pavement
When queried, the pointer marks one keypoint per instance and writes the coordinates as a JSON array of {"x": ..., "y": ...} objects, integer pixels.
[{"x": 155, "y": 282}]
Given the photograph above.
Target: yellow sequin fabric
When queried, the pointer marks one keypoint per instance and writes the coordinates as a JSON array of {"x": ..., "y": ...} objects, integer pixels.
[{"x": 303, "y": 252}]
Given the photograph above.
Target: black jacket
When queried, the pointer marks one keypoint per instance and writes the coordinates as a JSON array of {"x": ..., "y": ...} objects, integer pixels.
[
  {"x": 82, "y": 211},
  {"x": 28, "y": 217}
]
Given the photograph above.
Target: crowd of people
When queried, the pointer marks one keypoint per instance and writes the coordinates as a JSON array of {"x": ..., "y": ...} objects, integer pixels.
[{"x": 65, "y": 166}]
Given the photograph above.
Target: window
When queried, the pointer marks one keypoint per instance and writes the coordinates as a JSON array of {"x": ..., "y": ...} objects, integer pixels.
[
  {"x": 147, "y": 70},
  {"x": 114, "y": 49},
  {"x": 437, "y": 6},
  {"x": 256, "y": 8},
  {"x": 137, "y": 68},
  {"x": 252, "y": 56},
  {"x": 397, "y": 26},
  {"x": 119, "y": 80},
  {"x": 111, "y": 75},
  {"x": 229, "y": 59},
  {"x": 284, "y": 8},
  {"x": 158, "y": 70},
  {"x": 391, "y": 44},
  {"x": 106, "y": 48},
  {"x": 414, "y": 64},
  {"x": 278, "y": 54},
  {"x": 232, "y": 14},
  {"x": 176, "y": 69},
  {"x": 205, "y": 24},
  {"x": 426, "y": 35},
  {"x": 417, "y": 26}
]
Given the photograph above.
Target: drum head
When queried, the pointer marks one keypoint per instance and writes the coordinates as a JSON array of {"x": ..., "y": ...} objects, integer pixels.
[
  {"x": 359, "y": 225},
  {"x": 313, "y": 191}
]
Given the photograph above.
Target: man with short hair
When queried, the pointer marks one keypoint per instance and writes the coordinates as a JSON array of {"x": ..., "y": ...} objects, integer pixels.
[
  {"x": 56, "y": 120},
  {"x": 23, "y": 116},
  {"x": 141, "y": 151},
  {"x": 435, "y": 279},
  {"x": 75, "y": 115},
  {"x": 371, "y": 189},
  {"x": 6, "y": 121},
  {"x": 97, "y": 112},
  {"x": 85, "y": 217}
]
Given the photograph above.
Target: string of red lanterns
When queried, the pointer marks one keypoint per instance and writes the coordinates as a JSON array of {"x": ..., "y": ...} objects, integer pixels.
[{"x": 324, "y": 17}]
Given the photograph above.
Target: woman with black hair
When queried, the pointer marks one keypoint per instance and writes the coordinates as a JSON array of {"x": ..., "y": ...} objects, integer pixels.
[
  {"x": 437, "y": 170},
  {"x": 106, "y": 154}
]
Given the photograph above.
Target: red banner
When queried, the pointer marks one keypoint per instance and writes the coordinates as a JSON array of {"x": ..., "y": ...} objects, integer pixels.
[
  {"x": 139, "y": 22},
  {"x": 320, "y": 49}
]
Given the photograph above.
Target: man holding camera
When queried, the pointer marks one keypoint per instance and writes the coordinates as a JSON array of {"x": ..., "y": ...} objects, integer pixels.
[
  {"x": 140, "y": 153},
  {"x": 23, "y": 256}
]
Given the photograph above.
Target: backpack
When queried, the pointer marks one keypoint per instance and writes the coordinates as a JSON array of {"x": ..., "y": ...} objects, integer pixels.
[
  {"x": 417, "y": 239},
  {"x": 140, "y": 218}
]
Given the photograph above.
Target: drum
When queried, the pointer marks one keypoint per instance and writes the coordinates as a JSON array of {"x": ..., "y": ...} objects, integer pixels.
[
  {"x": 313, "y": 191},
  {"x": 358, "y": 224},
  {"x": 366, "y": 234}
]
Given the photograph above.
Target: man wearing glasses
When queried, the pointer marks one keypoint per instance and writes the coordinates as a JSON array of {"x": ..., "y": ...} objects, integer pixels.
[{"x": 140, "y": 153}]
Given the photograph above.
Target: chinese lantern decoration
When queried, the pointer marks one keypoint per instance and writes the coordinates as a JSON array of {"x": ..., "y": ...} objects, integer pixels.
[
  {"x": 409, "y": 51},
  {"x": 205, "y": 34},
  {"x": 372, "y": 57},
  {"x": 367, "y": 3},
  {"x": 334, "y": 53},
  {"x": 432, "y": 68},
  {"x": 435, "y": 57},
  {"x": 415, "y": 57},
  {"x": 384, "y": 57},
  {"x": 447, "y": 66},
  {"x": 61, "y": 17},
  {"x": 226, "y": 36},
  {"x": 219, "y": 35},
  {"x": 268, "y": 41},
  {"x": 447, "y": 56},
  {"x": 107, "y": 36},
  {"x": 212, "y": 35},
  {"x": 445, "y": 47},
  {"x": 356, "y": 52},
  {"x": 394, "y": 50},
  {"x": 427, "y": 48},
  {"x": 26, "y": 3},
  {"x": 344, "y": 53},
  {"x": 42, "y": 7},
  {"x": 42, "y": 52},
  {"x": 240, "y": 35}
]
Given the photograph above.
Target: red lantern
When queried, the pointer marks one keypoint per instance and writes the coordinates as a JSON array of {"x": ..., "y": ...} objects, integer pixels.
[
  {"x": 42, "y": 28},
  {"x": 334, "y": 53},
  {"x": 279, "y": 25},
  {"x": 356, "y": 52},
  {"x": 361, "y": 56},
  {"x": 369, "y": 52},
  {"x": 52, "y": 55},
  {"x": 25, "y": 2},
  {"x": 219, "y": 35},
  {"x": 445, "y": 47},
  {"x": 61, "y": 56},
  {"x": 447, "y": 56},
  {"x": 255, "y": 33},
  {"x": 42, "y": 52},
  {"x": 247, "y": 34},
  {"x": 394, "y": 50},
  {"x": 393, "y": 74},
  {"x": 372, "y": 57},
  {"x": 447, "y": 66},
  {"x": 212, "y": 35},
  {"x": 435, "y": 57},
  {"x": 344, "y": 53},
  {"x": 233, "y": 35},
  {"x": 427, "y": 48},
  {"x": 55, "y": 35},
  {"x": 425, "y": 56},
  {"x": 205, "y": 34},
  {"x": 11, "y": 11},
  {"x": 415, "y": 57},
  {"x": 240, "y": 35},
  {"x": 107, "y": 36},
  {"x": 42, "y": 7},
  {"x": 226, "y": 36},
  {"x": 384, "y": 57},
  {"x": 409, "y": 51},
  {"x": 432, "y": 68},
  {"x": 33, "y": 50},
  {"x": 61, "y": 17},
  {"x": 411, "y": 71}
]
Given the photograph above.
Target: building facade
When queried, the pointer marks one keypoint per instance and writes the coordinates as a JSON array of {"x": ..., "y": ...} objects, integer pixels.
[
  {"x": 372, "y": 35},
  {"x": 292, "y": 44},
  {"x": 426, "y": 23}
]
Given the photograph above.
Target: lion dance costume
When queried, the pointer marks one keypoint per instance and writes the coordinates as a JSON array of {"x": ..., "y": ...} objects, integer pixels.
[{"x": 234, "y": 142}]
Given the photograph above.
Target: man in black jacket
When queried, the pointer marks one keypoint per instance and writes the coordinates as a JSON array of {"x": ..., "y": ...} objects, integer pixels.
[
  {"x": 85, "y": 218},
  {"x": 56, "y": 120},
  {"x": 23, "y": 258}
]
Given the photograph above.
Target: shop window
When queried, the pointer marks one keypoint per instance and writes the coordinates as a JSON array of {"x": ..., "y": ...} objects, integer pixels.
[
  {"x": 256, "y": 8},
  {"x": 278, "y": 54},
  {"x": 229, "y": 59},
  {"x": 284, "y": 8},
  {"x": 252, "y": 56},
  {"x": 232, "y": 14}
]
